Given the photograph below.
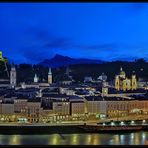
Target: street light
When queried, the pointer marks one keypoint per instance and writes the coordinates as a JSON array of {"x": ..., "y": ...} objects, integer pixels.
[
  {"x": 143, "y": 121},
  {"x": 122, "y": 123},
  {"x": 112, "y": 123},
  {"x": 132, "y": 122}
]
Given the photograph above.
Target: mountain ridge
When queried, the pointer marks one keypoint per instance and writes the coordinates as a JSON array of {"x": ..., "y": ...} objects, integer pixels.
[{"x": 60, "y": 60}]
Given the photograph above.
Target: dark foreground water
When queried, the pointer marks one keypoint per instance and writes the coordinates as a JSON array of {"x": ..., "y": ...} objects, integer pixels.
[{"x": 135, "y": 138}]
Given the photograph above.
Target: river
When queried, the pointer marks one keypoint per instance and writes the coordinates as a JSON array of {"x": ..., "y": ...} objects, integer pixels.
[{"x": 134, "y": 138}]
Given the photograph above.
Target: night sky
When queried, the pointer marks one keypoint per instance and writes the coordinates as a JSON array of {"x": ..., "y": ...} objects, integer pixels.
[{"x": 31, "y": 32}]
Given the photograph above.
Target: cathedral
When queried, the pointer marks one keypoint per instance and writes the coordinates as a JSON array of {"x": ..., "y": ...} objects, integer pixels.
[{"x": 123, "y": 83}]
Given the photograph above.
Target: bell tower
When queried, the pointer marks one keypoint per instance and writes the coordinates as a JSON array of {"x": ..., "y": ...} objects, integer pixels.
[
  {"x": 117, "y": 83},
  {"x": 134, "y": 82},
  {"x": 49, "y": 76}
]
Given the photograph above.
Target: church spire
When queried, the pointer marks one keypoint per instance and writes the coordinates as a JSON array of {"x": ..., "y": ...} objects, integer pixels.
[
  {"x": 35, "y": 78},
  {"x": 49, "y": 72},
  {"x": 121, "y": 69}
]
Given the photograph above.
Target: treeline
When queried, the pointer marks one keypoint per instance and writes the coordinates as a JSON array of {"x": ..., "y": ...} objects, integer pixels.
[{"x": 26, "y": 72}]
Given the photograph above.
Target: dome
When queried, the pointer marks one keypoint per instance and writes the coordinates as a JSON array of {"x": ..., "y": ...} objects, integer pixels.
[{"x": 122, "y": 72}]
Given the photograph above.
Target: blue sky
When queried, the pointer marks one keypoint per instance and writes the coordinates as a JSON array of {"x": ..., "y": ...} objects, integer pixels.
[{"x": 31, "y": 32}]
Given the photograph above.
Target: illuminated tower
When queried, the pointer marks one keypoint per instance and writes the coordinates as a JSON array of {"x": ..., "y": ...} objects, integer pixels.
[
  {"x": 117, "y": 83},
  {"x": 35, "y": 78},
  {"x": 13, "y": 76},
  {"x": 122, "y": 73},
  {"x": 133, "y": 82},
  {"x": 49, "y": 76},
  {"x": 104, "y": 91}
]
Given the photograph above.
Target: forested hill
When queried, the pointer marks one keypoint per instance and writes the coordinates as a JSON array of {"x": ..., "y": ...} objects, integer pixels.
[{"x": 25, "y": 72}]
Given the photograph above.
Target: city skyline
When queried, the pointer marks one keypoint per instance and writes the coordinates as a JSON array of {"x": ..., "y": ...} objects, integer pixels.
[{"x": 32, "y": 32}]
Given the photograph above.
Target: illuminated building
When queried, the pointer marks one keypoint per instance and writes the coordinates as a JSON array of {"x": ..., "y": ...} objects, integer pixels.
[
  {"x": 77, "y": 109},
  {"x": 20, "y": 105},
  {"x": 104, "y": 91},
  {"x": 47, "y": 115},
  {"x": 61, "y": 109},
  {"x": 95, "y": 106},
  {"x": 123, "y": 83},
  {"x": 34, "y": 109}
]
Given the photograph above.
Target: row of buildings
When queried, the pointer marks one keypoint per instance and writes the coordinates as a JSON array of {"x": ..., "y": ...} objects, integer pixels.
[{"x": 53, "y": 107}]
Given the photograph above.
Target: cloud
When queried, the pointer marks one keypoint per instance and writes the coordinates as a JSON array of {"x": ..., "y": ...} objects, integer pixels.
[{"x": 99, "y": 47}]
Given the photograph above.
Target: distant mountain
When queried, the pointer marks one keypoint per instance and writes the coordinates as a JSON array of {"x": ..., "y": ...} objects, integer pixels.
[{"x": 59, "y": 60}]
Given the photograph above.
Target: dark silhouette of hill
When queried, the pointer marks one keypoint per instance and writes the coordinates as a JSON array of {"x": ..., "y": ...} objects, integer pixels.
[
  {"x": 59, "y": 60},
  {"x": 25, "y": 72}
]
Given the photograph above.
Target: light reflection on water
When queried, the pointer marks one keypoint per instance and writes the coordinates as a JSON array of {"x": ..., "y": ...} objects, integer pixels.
[{"x": 137, "y": 138}]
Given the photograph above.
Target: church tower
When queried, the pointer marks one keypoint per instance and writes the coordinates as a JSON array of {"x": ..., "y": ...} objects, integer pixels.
[
  {"x": 13, "y": 76},
  {"x": 134, "y": 82},
  {"x": 122, "y": 73},
  {"x": 49, "y": 76},
  {"x": 117, "y": 83},
  {"x": 35, "y": 79}
]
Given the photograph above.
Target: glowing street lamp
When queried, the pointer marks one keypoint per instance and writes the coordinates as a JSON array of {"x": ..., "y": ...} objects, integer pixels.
[
  {"x": 122, "y": 123},
  {"x": 143, "y": 121},
  {"x": 112, "y": 123},
  {"x": 132, "y": 122}
]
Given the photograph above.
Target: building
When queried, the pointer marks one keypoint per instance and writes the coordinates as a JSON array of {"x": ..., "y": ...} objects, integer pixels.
[
  {"x": 20, "y": 105},
  {"x": 117, "y": 107},
  {"x": 77, "y": 110},
  {"x": 20, "y": 109},
  {"x": 4, "y": 83},
  {"x": 123, "y": 83},
  {"x": 104, "y": 91},
  {"x": 34, "y": 110},
  {"x": 88, "y": 79},
  {"x": 61, "y": 109},
  {"x": 102, "y": 77},
  {"x": 13, "y": 76},
  {"x": 66, "y": 90},
  {"x": 7, "y": 112},
  {"x": 95, "y": 107},
  {"x": 47, "y": 115},
  {"x": 49, "y": 76}
]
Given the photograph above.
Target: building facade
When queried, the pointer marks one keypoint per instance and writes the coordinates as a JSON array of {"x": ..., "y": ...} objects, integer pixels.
[
  {"x": 77, "y": 110},
  {"x": 123, "y": 83}
]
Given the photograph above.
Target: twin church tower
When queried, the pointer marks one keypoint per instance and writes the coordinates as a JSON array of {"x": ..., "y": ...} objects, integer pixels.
[
  {"x": 123, "y": 83},
  {"x": 36, "y": 79}
]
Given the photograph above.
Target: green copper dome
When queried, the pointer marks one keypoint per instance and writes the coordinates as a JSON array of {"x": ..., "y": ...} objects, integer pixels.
[{"x": 122, "y": 72}]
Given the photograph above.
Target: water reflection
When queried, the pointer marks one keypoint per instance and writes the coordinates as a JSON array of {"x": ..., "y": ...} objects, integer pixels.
[
  {"x": 116, "y": 139},
  {"x": 74, "y": 140},
  {"x": 15, "y": 140},
  {"x": 136, "y": 138},
  {"x": 131, "y": 138}
]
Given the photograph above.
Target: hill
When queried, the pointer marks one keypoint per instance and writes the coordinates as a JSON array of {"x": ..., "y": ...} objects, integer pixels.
[{"x": 59, "y": 61}]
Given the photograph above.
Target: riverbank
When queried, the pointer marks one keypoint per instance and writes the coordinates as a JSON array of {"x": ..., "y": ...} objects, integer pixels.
[{"x": 66, "y": 129}]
